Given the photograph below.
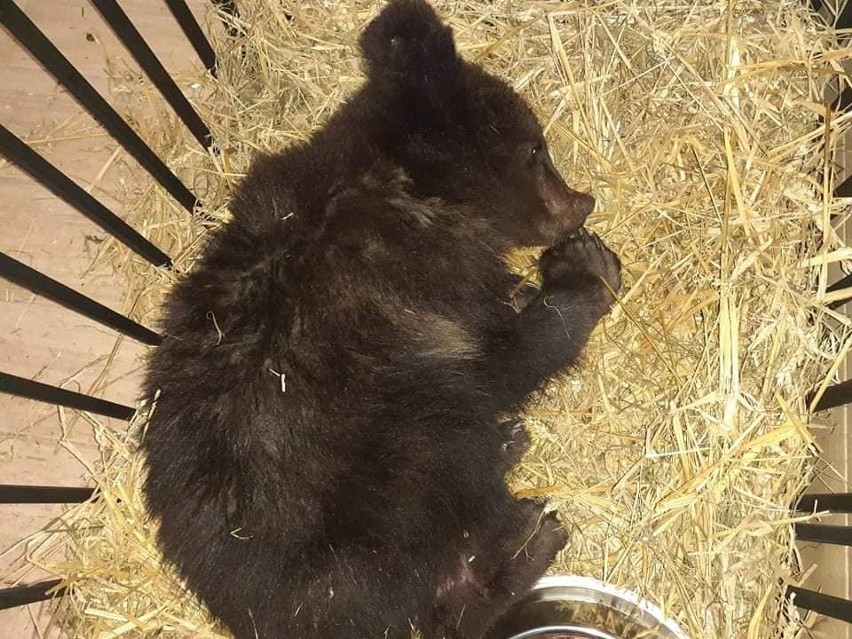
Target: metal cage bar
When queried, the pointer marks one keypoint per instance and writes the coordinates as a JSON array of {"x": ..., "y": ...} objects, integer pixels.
[
  {"x": 24, "y": 157},
  {"x": 824, "y": 534},
  {"x": 42, "y": 49},
  {"x": 831, "y": 502},
  {"x": 828, "y": 605},
  {"x": 16, "y": 494},
  {"x": 842, "y": 101},
  {"x": 22, "y": 387},
  {"x": 31, "y": 279},
  {"x": 129, "y": 35},
  {"x": 23, "y": 595},
  {"x": 844, "y": 189},
  {"x": 836, "y": 395},
  {"x": 844, "y": 19},
  {"x": 180, "y": 11}
]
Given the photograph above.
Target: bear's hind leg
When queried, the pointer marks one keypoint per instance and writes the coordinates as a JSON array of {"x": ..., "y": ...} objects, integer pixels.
[{"x": 498, "y": 569}]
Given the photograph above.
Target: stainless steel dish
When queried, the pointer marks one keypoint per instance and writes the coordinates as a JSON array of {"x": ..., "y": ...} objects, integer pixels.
[{"x": 568, "y": 607}]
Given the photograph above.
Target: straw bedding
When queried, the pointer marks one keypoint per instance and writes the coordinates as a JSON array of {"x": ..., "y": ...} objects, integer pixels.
[{"x": 674, "y": 452}]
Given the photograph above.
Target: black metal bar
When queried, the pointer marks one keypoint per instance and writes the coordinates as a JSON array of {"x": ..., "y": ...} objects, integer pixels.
[
  {"x": 842, "y": 101},
  {"x": 23, "y": 595},
  {"x": 825, "y": 534},
  {"x": 43, "y": 172},
  {"x": 124, "y": 29},
  {"x": 836, "y": 395},
  {"x": 844, "y": 18},
  {"x": 42, "y": 49},
  {"x": 194, "y": 34},
  {"x": 845, "y": 282},
  {"x": 828, "y": 605},
  {"x": 844, "y": 189},
  {"x": 15, "y": 494},
  {"x": 31, "y": 279},
  {"x": 22, "y": 387},
  {"x": 830, "y": 502}
]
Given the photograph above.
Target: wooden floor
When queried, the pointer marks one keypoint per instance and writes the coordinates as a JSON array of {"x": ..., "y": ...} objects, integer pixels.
[{"x": 38, "y": 339}]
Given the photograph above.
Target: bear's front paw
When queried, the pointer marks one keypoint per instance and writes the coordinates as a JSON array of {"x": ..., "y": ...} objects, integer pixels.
[{"x": 566, "y": 263}]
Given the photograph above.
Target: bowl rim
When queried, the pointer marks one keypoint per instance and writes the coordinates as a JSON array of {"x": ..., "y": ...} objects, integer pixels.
[
  {"x": 559, "y": 581},
  {"x": 534, "y": 615}
]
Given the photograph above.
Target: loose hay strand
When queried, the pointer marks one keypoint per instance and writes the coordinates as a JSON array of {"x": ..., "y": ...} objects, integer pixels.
[{"x": 673, "y": 454}]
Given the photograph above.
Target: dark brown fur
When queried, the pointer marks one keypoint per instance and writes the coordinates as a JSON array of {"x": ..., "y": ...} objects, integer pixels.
[{"x": 366, "y": 490}]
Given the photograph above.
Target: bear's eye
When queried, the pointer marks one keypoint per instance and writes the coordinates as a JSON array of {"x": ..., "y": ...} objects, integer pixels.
[{"x": 537, "y": 152}]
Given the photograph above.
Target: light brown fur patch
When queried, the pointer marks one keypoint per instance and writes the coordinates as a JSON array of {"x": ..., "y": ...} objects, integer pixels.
[{"x": 442, "y": 337}]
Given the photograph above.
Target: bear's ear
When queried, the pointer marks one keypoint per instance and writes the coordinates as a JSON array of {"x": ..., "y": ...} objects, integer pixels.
[{"x": 407, "y": 48}]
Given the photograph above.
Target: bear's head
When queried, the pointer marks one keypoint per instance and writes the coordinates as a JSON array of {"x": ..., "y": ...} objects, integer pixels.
[{"x": 460, "y": 133}]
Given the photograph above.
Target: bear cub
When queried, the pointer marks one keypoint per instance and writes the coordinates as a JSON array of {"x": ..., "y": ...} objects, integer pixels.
[{"x": 328, "y": 452}]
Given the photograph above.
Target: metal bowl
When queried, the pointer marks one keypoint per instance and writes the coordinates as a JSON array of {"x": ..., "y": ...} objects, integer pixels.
[{"x": 567, "y": 607}]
